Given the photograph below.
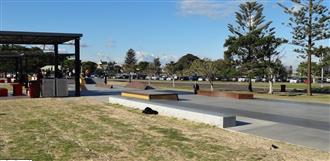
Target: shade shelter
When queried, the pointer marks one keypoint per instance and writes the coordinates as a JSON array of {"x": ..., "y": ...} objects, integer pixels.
[{"x": 47, "y": 38}]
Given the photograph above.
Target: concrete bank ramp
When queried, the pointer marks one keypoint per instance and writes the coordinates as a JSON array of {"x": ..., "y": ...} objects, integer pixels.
[{"x": 220, "y": 120}]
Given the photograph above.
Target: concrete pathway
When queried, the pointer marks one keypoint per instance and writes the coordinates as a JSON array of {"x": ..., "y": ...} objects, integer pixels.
[{"x": 305, "y": 124}]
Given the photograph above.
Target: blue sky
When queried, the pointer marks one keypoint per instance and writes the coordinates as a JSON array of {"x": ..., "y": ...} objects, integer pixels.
[{"x": 164, "y": 28}]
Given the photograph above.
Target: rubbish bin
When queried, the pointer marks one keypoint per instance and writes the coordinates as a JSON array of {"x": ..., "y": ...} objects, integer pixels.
[
  {"x": 283, "y": 88},
  {"x": 34, "y": 89},
  {"x": 17, "y": 89}
]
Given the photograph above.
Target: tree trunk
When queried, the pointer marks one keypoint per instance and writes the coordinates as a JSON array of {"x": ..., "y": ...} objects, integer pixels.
[
  {"x": 173, "y": 82},
  {"x": 130, "y": 78},
  {"x": 149, "y": 81},
  {"x": 271, "y": 91},
  {"x": 309, "y": 51},
  {"x": 271, "y": 81},
  {"x": 212, "y": 86},
  {"x": 322, "y": 73},
  {"x": 250, "y": 85}
]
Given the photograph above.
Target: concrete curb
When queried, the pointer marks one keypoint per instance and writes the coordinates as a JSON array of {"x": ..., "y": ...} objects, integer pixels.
[{"x": 220, "y": 120}]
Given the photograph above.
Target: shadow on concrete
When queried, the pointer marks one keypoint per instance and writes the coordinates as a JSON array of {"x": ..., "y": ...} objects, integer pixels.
[
  {"x": 242, "y": 123},
  {"x": 178, "y": 92},
  {"x": 96, "y": 93}
]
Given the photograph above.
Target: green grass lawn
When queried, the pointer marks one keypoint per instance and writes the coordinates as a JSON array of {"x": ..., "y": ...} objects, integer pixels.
[
  {"x": 316, "y": 98},
  {"x": 81, "y": 129}
]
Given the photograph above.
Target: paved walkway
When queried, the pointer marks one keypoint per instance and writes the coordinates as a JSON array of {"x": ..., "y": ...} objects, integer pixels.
[{"x": 298, "y": 123}]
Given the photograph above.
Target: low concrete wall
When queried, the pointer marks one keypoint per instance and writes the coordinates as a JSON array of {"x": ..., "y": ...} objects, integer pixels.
[{"x": 220, "y": 120}]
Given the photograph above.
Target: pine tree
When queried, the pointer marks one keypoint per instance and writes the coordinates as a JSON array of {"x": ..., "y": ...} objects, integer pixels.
[
  {"x": 243, "y": 46},
  {"x": 270, "y": 61},
  {"x": 130, "y": 63},
  {"x": 310, "y": 22},
  {"x": 157, "y": 67}
]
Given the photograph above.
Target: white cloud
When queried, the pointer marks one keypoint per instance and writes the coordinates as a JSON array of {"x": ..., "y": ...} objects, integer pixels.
[
  {"x": 145, "y": 56},
  {"x": 211, "y": 9}
]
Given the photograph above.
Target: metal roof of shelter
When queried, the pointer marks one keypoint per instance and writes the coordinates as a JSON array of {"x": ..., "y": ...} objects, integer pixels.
[{"x": 20, "y": 37}]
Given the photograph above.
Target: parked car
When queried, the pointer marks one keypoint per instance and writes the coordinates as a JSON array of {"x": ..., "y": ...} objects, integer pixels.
[
  {"x": 305, "y": 80},
  {"x": 169, "y": 78},
  {"x": 328, "y": 80},
  {"x": 200, "y": 79},
  {"x": 224, "y": 79},
  {"x": 184, "y": 78},
  {"x": 256, "y": 79},
  {"x": 242, "y": 79},
  {"x": 155, "y": 78},
  {"x": 294, "y": 80}
]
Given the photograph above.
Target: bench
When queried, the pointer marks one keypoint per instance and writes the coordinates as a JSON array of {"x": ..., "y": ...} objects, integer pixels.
[
  {"x": 217, "y": 119},
  {"x": 3, "y": 92}
]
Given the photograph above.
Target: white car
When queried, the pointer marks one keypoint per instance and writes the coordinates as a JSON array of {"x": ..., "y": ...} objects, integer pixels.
[
  {"x": 200, "y": 79},
  {"x": 294, "y": 80},
  {"x": 242, "y": 79},
  {"x": 154, "y": 78},
  {"x": 168, "y": 78},
  {"x": 328, "y": 80}
]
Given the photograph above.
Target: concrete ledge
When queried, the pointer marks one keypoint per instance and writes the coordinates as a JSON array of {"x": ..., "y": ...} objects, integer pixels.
[
  {"x": 150, "y": 95},
  {"x": 220, "y": 120},
  {"x": 226, "y": 94}
]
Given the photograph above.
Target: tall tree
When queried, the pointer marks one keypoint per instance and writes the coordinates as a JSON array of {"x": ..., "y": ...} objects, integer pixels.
[
  {"x": 130, "y": 63},
  {"x": 111, "y": 68},
  {"x": 206, "y": 68},
  {"x": 183, "y": 64},
  {"x": 88, "y": 67},
  {"x": 323, "y": 53},
  {"x": 157, "y": 66},
  {"x": 170, "y": 69},
  {"x": 302, "y": 69},
  {"x": 270, "y": 62},
  {"x": 142, "y": 67},
  {"x": 68, "y": 64},
  {"x": 310, "y": 22},
  {"x": 243, "y": 45}
]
